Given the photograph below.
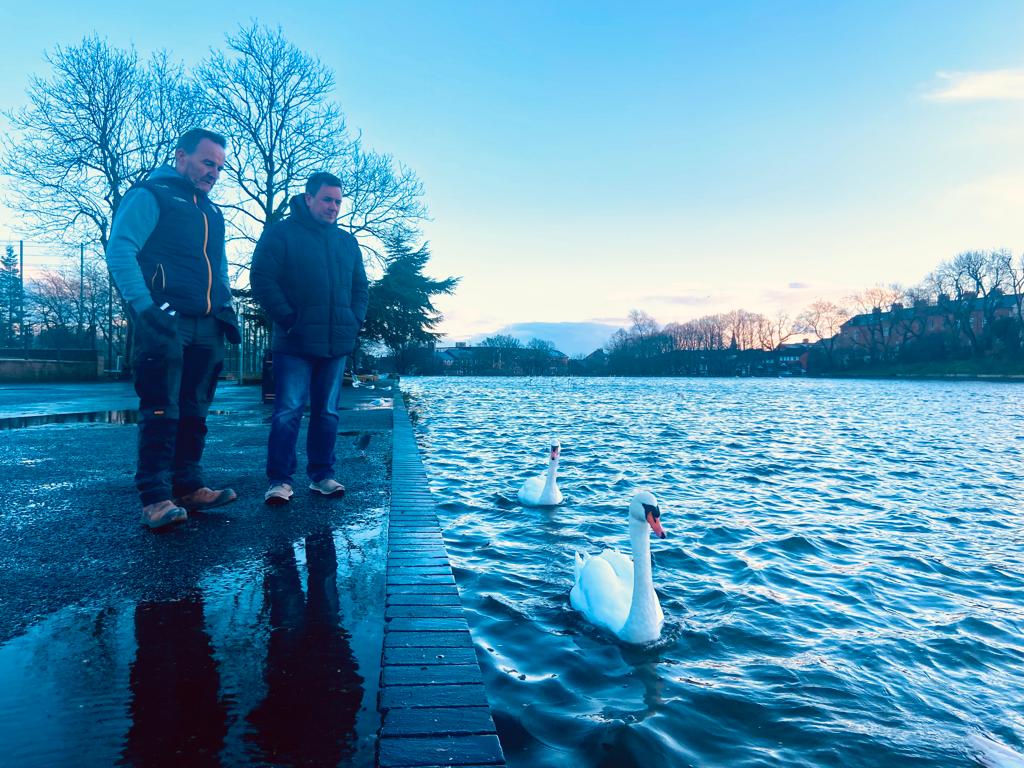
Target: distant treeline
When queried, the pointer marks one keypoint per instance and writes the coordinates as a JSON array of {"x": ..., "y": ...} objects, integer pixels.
[
  {"x": 970, "y": 308},
  {"x": 966, "y": 316}
]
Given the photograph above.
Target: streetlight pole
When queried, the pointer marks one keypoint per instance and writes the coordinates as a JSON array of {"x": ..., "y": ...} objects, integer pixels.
[
  {"x": 81, "y": 291},
  {"x": 21, "y": 297}
]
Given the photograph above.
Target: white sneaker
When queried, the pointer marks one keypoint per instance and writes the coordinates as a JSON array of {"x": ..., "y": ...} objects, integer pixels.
[
  {"x": 328, "y": 487},
  {"x": 278, "y": 494}
]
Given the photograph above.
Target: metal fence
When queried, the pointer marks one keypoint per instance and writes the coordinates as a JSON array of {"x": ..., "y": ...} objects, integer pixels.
[
  {"x": 244, "y": 362},
  {"x": 56, "y": 298}
]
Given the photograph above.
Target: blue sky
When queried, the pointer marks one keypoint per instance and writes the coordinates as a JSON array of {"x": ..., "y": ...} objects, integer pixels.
[{"x": 582, "y": 159}]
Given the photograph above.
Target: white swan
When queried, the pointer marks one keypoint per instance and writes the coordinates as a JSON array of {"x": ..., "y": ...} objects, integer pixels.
[
  {"x": 992, "y": 754},
  {"x": 542, "y": 491},
  {"x": 617, "y": 593}
]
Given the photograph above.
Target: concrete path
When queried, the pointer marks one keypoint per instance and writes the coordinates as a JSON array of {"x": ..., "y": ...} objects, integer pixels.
[
  {"x": 246, "y": 636},
  {"x": 432, "y": 694}
]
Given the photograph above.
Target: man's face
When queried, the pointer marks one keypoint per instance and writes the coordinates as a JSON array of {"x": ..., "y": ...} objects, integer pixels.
[
  {"x": 325, "y": 205},
  {"x": 203, "y": 166}
]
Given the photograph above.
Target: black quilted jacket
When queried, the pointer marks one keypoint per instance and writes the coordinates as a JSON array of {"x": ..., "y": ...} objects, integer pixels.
[{"x": 309, "y": 278}]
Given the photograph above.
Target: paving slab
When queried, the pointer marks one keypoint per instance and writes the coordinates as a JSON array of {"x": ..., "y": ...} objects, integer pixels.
[{"x": 432, "y": 695}]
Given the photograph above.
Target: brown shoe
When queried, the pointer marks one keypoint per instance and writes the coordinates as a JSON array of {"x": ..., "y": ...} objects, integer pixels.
[
  {"x": 163, "y": 513},
  {"x": 206, "y": 498}
]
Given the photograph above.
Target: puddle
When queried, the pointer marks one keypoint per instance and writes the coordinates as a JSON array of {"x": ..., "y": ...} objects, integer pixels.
[
  {"x": 373, "y": 405},
  {"x": 130, "y": 416},
  {"x": 271, "y": 661}
]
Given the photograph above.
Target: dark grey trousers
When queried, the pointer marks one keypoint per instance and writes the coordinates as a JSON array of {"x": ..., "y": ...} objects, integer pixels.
[{"x": 175, "y": 378}]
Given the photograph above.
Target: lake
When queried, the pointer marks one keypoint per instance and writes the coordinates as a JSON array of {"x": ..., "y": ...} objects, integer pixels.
[{"x": 843, "y": 578}]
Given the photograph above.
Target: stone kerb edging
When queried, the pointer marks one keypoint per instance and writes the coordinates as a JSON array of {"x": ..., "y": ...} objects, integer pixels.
[{"x": 432, "y": 697}]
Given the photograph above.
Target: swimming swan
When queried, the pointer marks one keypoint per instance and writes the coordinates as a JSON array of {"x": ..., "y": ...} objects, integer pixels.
[
  {"x": 611, "y": 593},
  {"x": 992, "y": 754},
  {"x": 542, "y": 491}
]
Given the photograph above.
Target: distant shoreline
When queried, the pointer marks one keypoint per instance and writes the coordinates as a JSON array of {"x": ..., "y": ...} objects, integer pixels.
[
  {"x": 1010, "y": 378},
  {"x": 1007, "y": 377}
]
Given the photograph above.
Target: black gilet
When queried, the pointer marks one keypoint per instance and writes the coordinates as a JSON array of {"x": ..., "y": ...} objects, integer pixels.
[{"x": 181, "y": 260}]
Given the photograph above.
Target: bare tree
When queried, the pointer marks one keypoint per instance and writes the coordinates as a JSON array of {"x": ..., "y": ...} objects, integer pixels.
[
  {"x": 741, "y": 327},
  {"x": 501, "y": 341},
  {"x": 771, "y": 332},
  {"x": 710, "y": 331},
  {"x": 823, "y": 319},
  {"x": 538, "y": 357},
  {"x": 98, "y": 125},
  {"x": 879, "y": 306},
  {"x": 383, "y": 199},
  {"x": 643, "y": 325},
  {"x": 1015, "y": 284},
  {"x": 68, "y": 306},
  {"x": 274, "y": 101},
  {"x": 970, "y": 287},
  {"x": 52, "y": 298}
]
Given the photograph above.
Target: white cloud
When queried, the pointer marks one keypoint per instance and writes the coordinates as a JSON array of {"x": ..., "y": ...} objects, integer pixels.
[
  {"x": 572, "y": 338},
  {"x": 994, "y": 85}
]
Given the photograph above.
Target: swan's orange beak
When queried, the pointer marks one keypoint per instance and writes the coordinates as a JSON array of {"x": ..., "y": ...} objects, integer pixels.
[{"x": 655, "y": 524}]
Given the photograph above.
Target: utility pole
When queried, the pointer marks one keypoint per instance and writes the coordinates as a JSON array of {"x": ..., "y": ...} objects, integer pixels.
[
  {"x": 110, "y": 321},
  {"x": 241, "y": 346},
  {"x": 81, "y": 291},
  {"x": 21, "y": 295}
]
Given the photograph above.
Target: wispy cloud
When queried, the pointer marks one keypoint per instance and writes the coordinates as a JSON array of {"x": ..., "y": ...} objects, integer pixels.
[
  {"x": 687, "y": 296},
  {"x": 993, "y": 85},
  {"x": 789, "y": 297},
  {"x": 686, "y": 301}
]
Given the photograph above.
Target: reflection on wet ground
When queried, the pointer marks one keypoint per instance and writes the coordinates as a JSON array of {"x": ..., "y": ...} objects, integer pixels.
[
  {"x": 313, "y": 686},
  {"x": 243, "y": 637},
  {"x": 130, "y": 416},
  {"x": 255, "y": 666}
]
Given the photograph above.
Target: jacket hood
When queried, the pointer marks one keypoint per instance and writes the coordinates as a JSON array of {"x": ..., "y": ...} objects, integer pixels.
[
  {"x": 167, "y": 173},
  {"x": 301, "y": 213}
]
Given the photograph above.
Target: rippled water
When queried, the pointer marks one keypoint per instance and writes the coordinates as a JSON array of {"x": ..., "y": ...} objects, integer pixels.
[{"x": 843, "y": 580}]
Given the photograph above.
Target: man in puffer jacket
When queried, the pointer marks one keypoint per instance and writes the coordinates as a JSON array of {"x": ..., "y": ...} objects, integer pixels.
[
  {"x": 166, "y": 255},
  {"x": 308, "y": 275}
]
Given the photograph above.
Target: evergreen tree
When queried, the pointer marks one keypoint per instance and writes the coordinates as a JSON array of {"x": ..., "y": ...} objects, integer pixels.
[
  {"x": 10, "y": 297},
  {"x": 401, "y": 313}
]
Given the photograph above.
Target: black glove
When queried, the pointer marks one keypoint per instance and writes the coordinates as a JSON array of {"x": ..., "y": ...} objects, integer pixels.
[
  {"x": 159, "y": 321},
  {"x": 229, "y": 323}
]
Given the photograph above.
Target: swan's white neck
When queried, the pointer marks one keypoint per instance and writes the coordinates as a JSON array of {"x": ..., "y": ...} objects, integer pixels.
[
  {"x": 551, "y": 479},
  {"x": 643, "y": 623}
]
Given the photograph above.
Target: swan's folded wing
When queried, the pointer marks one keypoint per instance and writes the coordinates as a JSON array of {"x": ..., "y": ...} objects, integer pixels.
[
  {"x": 622, "y": 565},
  {"x": 530, "y": 491},
  {"x": 992, "y": 754},
  {"x": 601, "y": 595}
]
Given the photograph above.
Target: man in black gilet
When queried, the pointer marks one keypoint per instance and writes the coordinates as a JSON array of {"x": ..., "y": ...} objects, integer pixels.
[{"x": 166, "y": 255}]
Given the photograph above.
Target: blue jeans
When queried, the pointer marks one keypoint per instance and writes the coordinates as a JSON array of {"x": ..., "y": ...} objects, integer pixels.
[{"x": 298, "y": 380}]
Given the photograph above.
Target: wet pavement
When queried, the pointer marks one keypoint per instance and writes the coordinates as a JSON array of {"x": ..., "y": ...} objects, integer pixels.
[
  {"x": 246, "y": 636},
  {"x": 20, "y": 400}
]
